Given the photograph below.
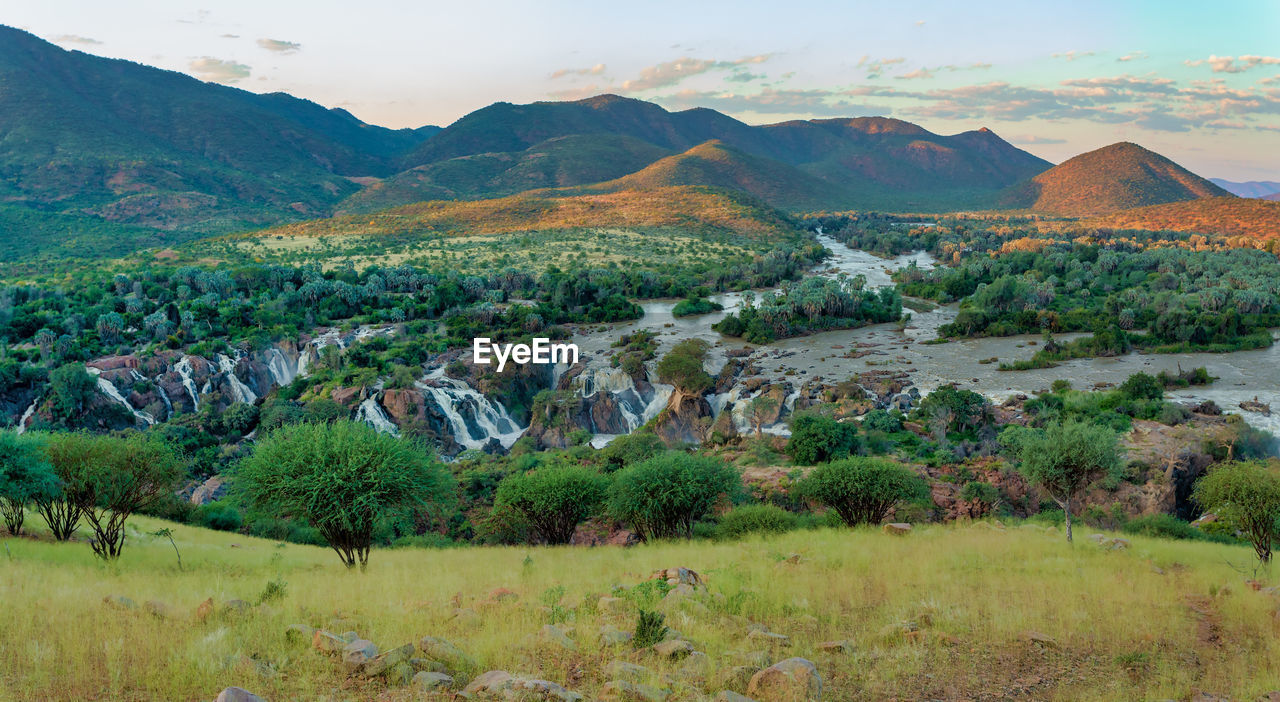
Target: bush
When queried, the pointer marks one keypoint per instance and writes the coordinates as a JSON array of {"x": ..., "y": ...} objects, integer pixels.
[
  {"x": 554, "y": 500},
  {"x": 341, "y": 478},
  {"x": 1167, "y": 526},
  {"x": 121, "y": 477},
  {"x": 1246, "y": 493},
  {"x": 663, "y": 496},
  {"x": 682, "y": 367},
  {"x": 862, "y": 490},
  {"x": 755, "y": 519},
  {"x": 882, "y": 420},
  {"x": 631, "y": 448},
  {"x": 694, "y": 305},
  {"x": 1141, "y": 386},
  {"x": 218, "y": 516},
  {"x": 25, "y": 476},
  {"x": 817, "y": 438},
  {"x": 650, "y": 629}
]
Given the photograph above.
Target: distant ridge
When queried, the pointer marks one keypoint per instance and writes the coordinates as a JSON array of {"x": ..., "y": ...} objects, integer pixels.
[
  {"x": 1118, "y": 177},
  {"x": 1254, "y": 219},
  {"x": 1253, "y": 188}
]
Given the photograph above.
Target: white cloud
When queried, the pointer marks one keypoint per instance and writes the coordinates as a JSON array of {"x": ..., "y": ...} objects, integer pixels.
[
  {"x": 279, "y": 45},
  {"x": 593, "y": 71},
  {"x": 75, "y": 39},
  {"x": 671, "y": 72},
  {"x": 1073, "y": 54},
  {"x": 1227, "y": 64},
  {"x": 218, "y": 70}
]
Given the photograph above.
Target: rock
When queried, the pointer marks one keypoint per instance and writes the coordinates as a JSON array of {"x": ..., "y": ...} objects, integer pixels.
[
  {"x": 622, "y": 670},
  {"x": 626, "y": 691},
  {"x": 737, "y": 677},
  {"x": 679, "y": 576},
  {"x": 554, "y": 635},
  {"x": 792, "y": 680},
  {"x": 235, "y": 607},
  {"x": 427, "y": 682},
  {"x": 730, "y": 696},
  {"x": 502, "y": 594},
  {"x": 211, "y": 490},
  {"x": 768, "y": 637},
  {"x": 1118, "y": 544},
  {"x": 327, "y": 642},
  {"x": 385, "y": 662},
  {"x": 1097, "y": 538},
  {"x": 611, "y": 605},
  {"x": 896, "y": 528},
  {"x": 364, "y": 646},
  {"x": 503, "y": 685},
  {"x": 158, "y": 609},
  {"x": 399, "y": 674},
  {"x": 792, "y": 558},
  {"x": 238, "y": 694},
  {"x": 610, "y": 636},
  {"x": 841, "y": 646},
  {"x": 451, "y": 656},
  {"x": 426, "y": 665},
  {"x": 1040, "y": 639},
  {"x": 674, "y": 649},
  {"x": 119, "y": 602}
]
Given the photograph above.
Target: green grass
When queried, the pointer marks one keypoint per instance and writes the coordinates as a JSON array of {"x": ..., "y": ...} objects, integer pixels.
[{"x": 1121, "y": 630}]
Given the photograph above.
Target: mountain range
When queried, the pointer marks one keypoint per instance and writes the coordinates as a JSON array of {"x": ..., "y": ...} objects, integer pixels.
[
  {"x": 1264, "y": 189},
  {"x": 126, "y": 155}
]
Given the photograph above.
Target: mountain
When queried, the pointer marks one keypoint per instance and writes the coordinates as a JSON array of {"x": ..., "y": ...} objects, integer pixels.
[
  {"x": 873, "y": 162},
  {"x": 1252, "y": 218},
  {"x": 1273, "y": 197},
  {"x": 717, "y": 165},
  {"x": 132, "y": 144},
  {"x": 1252, "y": 188},
  {"x": 1121, "y": 176}
]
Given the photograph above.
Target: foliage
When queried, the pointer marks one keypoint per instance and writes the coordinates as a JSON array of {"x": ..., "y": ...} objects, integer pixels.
[
  {"x": 341, "y": 478},
  {"x": 631, "y": 448},
  {"x": 25, "y": 477},
  {"x": 554, "y": 499},
  {"x": 651, "y": 629},
  {"x": 693, "y": 305},
  {"x": 682, "y": 366},
  {"x": 755, "y": 519},
  {"x": 1141, "y": 386},
  {"x": 812, "y": 305},
  {"x": 1064, "y": 458},
  {"x": 1246, "y": 493},
  {"x": 862, "y": 490},
  {"x": 817, "y": 438},
  {"x": 661, "y": 497}
]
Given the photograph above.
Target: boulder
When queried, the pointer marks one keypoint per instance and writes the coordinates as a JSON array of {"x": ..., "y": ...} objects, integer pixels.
[
  {"x": 451, "y": 656},
  {"x": 387, "y": 661},
  {"x": 792, "y": 680},
  {"x": 503, "y": 685},
  {"x": 428, "y": 682},
  {"x": 237, "y": 694},
  {"x": 211, "y": 490},
  {"x": 327, "y": 642},
  {"x": 119, "y": 602},
  {"x": 622, "y": 670},
  {"x": 626, "y": 691},
  {"x": 768, "y": 637},
  {"x": 836, "y": 646},
  {"x": 674, "y": 649},
  {"x": 896, "y": 528},
  {"x": 730, "y": 696},
  {"x": 555, "y": 636},
  {"x": 679, "y": 576},
  {"x": 609, "y": 636}
]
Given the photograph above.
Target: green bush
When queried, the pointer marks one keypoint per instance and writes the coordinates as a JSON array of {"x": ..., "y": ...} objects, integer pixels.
[
  {"x": 554, "y": 500},
  {"x": 882, "y": 420},
  {"x": 682, "y": 366},
  {"x": 755, "y": 519},
  {"x": 1247, "y": 493},
  {"x": 1167, "y": 526},
  {"x": 817, "y": 438},
  {"x": 694, "y": 305},
  {"x": 219, "y": 516},
  {"x": 862, "y": 490},
  {"x": 631, "y": 448},
  {"x": 663, "y": 496},
  {"x": 25, "y": 476},
  {"x": 1141, "y": 386}
]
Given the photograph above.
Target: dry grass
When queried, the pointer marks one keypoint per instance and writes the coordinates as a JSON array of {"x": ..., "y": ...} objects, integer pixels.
[{"x": 1125, "y": 625}]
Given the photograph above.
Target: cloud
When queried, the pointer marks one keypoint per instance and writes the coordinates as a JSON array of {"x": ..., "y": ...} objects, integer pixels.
[
  {"x": 1149, "y": 86},
  {"x": 1269, "y": 81},
  {"x": 578, "y": 93},
  {"x": 218, "y": 70},
  {"x": 671, "y": 72},
  {"x": 1135, "y": 56},
  {"x": 814, "y": 102},
  {"x": 1227, "y": 64},
  {"x": 876, "y": 66},
  {"x": 919, "y": 23},
  {"x": 593, "y": 71},
  {"x": 75, "y": 39},
  {"x": 279, "y": 45},
  {"x": 744, "y": 77},
  {"x": 1073, "y": 54},
  {"x": 228, "y": 36},
  {"x": 918, "y": 73},
  {"x": 1034, "y": 140}
]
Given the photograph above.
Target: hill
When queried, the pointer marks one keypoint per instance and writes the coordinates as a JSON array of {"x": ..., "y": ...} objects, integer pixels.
[
  {"x": 131, "y": 144},
  {"x": 1251, "y": 188},
  {"x": 940, "y": 628},
  {"x": 1252, "y": 218},
  {"x": 1121, "y": 176},
  {"x": 872, "y": 162}
]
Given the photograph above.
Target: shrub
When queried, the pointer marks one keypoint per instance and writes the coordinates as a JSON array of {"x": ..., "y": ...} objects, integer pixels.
[
  {"x": 694, "y": 305},
  {"x": 124, "y": 476},
  {"x": 755, "y": 519},
  {"x": 1141, "y": 386},
  {"x": 682, "y": 366},
  {"x": 817, "y": 438},
  {"x": 1064, "y": 458},
  {"x": 882, "y": 420},
  {"x": 663, "y": 496},
  {"x": 25, "y": 476},
  {"x": 1167, "y": 526},
  {"x": 218, "y": 516},
  {"x": 1246, "y": 493},
  {"x": 341, "y": 478},
  {"x": 650, "y": 629},
  {"x": 554, "y": 500},
  {"x": 631, "y": 448},
  {"x": 862, "y": 490}
]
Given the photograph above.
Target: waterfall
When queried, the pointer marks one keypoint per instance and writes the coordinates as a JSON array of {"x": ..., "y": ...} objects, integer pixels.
[
  {"x": 164, "y": 396},
  {"x": 472, "y": 416},
  {"x": 239, "y": 390},
  {"x": 279, "y": 367},
  {"x": 26, "y": 416},
  {"x": 370, "y": 411},
  {"x": 184, "y": 369},
  {"x": 109, "y": 389},
  {"x": 635, "y": 408}
]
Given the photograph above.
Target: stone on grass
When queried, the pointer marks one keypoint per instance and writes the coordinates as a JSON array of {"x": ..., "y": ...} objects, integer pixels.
[
  {"x": 1097, "y": 538},
  {"x": 679, "y": 576},
  {"x": 897, "y": 528},
  {"x": 503, "y": 685},
  {"x": 399, "y": 674},
  {"x": 119, "y": 602},
  {"x": 451, "y": 656},
  {"x": 730, "y": 696},
  {"x": 836, "y": 646},
  {"x": 622, "y": 670},
  {"x": 554, "y": 635},
  {"x": 237, "y": 694},
  {"x": 235, "y": 608},
  {"x": 1118, "y": 544},
  {"x": 427, "y": 681},
  {"x": 327, "y": 642},
  {"x": 611, "y": 605},
  {"x": 768, "y": 637},
  {"x": 502, "y": 594},
  {"x": 1038, "y": 638},
  {"x": 792, "y": 680},
  {"x": 426, "y": 665},
  {"x": 626, "y": 691},
  {"x": 610, "y": 636},
  {"x": 387, "y": 660},
  {"x": 674, "y": 649}
]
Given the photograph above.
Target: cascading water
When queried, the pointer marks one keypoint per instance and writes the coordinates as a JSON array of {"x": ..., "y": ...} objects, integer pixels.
[
  {"x": 239, "y": 390},
  {"x": 26, "y": 416},
  {"x": 475, "y": 420},
  {"x": 184, "y": 369},
  {"x": 282, "y": 372},
  {"x": 372, "y": 413},
  {"x": 109, "y": 389}
]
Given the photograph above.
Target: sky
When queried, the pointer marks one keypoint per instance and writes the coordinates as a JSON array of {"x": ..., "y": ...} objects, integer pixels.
[{"x": 1197, "y": 82}]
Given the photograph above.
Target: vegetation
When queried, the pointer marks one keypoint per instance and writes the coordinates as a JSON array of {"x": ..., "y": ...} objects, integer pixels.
[
  {"x": 341, "y": 478},
  {"x": 863, "y": 490},
  {"x": 1064, "y": 458},
  {"x": 817, "y": 438},
  {"x": 682, "y": 367},
  {"x": 815, "y": 304},
  {"x": 553, "y": 499},
  {"x": 693, "y": 305},
  {"x": 1247, "y": 494},
  {"x": 25, "y": 476},
  {"x": 662, "y": 497},
  {"x": 1243, "y": 222}
]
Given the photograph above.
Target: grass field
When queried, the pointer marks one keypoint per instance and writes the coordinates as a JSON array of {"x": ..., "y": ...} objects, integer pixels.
[{"x": 946, "y": 612}]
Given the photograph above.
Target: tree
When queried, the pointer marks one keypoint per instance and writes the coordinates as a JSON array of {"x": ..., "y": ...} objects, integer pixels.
[
  {"x": 130, "y": 475},
  {"x": 70, "y": 389},
  {"x": 1245, "y": 493},
  {"x": 553, "y": 499},
  {"x": 631, "y": 448},
  {"x": 1064, "y": 458},
  {"x": 862, "y": 490},
  {"x": 682, "y": 367},
  {"x": 1142, "y": 386},
  {"x": 340, "y": 478},
  {"x": 72, "y": 456},
  {"x": 762, "y": 407},
  {"x": 663, "y": 496},
  {"x": 25, "y": 476},
  {"x": 817, "y": 438}
]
